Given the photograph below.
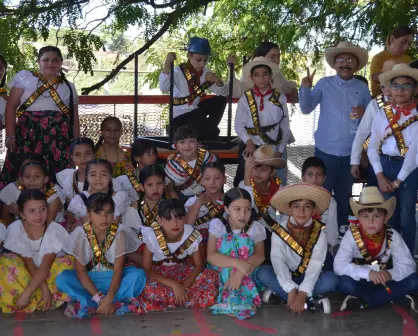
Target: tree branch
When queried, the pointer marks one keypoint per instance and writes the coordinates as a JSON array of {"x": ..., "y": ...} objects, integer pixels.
[{"x": 26, "y": 11}]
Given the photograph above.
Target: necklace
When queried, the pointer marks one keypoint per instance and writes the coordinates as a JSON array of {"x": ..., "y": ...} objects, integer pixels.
[
  {"x": 117, "y": 154},
  {"x": 42, "y": 239}
]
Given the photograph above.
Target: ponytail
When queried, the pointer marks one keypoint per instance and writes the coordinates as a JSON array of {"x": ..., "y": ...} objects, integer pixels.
[{"x": 99, "y": 143}]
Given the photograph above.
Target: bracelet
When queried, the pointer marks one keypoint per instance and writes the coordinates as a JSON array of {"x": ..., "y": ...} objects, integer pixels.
[
  {"x": 97, "y": 297},
  {"x": 396, "y": 184}
]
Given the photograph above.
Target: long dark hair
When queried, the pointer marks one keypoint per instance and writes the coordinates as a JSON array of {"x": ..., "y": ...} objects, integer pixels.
[
  {"x": 97, "y": 202},
  {"x": 233, "y": 195},
  {"x": 81, "y": 141},
  {"x": 105, "y": 120},
  {"x": 146, "y": 173},
  {"x": 264, "y": 48},
  {"x": 108, "y": 166},
  {"x": 28, "y": 195},
  {"x": 3, "y": 80},
  {"x": 140, "y": 147}
]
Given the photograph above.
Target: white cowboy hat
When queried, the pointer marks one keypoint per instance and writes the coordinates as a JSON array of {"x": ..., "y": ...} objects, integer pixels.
[
  {"x": 371, "y": 197},
  {"x": 398, "y": 70},
  {"x": 246, "y": 70},
  {"x": 388, "y": 65},
  {"x": 266, "y": 155},
  {"x": 347, "y": 47},
  {"x": 320, "y": 196}
]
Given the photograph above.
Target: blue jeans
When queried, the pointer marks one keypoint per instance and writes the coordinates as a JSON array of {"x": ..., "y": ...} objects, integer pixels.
[
  {"x": 376, "y": 295},
  {"x": 327, "y": 281},
  {"x": 403, "y": 219},
  {"x": 338, "y": 181},
  {"x": 282, "y": 173}
]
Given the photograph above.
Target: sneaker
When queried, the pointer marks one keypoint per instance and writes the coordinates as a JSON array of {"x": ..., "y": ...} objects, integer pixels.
[
  {"x": 319, "y": 303},
  {"x": 406, "y": 302},
  {"x": 270, "y": 297},
  {"x": 352, "y": 303}
]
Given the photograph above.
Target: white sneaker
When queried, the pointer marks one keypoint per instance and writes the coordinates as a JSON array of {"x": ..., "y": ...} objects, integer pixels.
[
  {"x": 322, "y": 304},
  {"x": 266, "y": 295}
]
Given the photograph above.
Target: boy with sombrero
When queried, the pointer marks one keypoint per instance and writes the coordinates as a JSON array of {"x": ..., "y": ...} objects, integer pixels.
[
  {"x": 394, "y": 132},
  {"x": 191, "y": 81},
  {"x": 262, "y": 117},
  {"x": 373, "y": 261},
  {"x": 298, "y": 251}
]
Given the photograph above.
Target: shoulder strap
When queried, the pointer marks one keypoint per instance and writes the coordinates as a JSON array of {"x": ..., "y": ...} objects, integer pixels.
[{"x": 83, "y": 197}]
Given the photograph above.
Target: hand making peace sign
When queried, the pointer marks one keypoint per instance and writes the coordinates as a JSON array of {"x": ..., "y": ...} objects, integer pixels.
[{"x": 307, "y": 81}]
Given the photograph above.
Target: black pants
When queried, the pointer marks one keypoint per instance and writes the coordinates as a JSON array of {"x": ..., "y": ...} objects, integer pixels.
[
  {"x": 205, "y": 119},
  {"x": 239, "y": 175}
]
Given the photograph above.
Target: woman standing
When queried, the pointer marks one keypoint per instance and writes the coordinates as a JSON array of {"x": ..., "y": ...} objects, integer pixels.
[{"x": 45, "y": 106}]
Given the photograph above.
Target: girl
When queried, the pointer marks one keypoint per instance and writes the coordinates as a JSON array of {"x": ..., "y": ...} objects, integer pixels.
[
  {"x": 2, "y": 234},
  {"x": 108, "y": 147},
  {"x": 98, "y": 180},
  {"x": 100, "y": 283},
  {"x": 143, "y": 153},
  {"x": 33, "y": 175},
  {"x": 45, "y": 106},
  {"x": 29, "y": 271},
  {"x": 3, "y": 91},
  {"x": 173, "y": 281},
  {"x": 236, "y": 249}
]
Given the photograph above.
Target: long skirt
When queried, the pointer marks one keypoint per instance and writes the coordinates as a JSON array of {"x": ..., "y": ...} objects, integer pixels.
[
  {"x": 14, "y": 278},
  {"x": 244, "y": 301},
  {"x": 39, "y": 132},
  {"x": 81, "y": 305},
  {"x": 202, "y": 294}
]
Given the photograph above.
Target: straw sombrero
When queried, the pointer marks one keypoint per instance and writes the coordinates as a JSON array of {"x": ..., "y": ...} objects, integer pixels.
[
  {"x": 265, "y": 155},
  {"x": 281, "y": 199},
  {"x": 347, "y": 47},
  {"x": 398, "y": 70},
  {"x": 371, "y": 197},
  {"x": 246, "y": 70}
]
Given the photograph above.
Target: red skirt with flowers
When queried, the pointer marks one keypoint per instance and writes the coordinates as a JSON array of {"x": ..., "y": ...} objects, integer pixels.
[{"x": 202, "y": 294}]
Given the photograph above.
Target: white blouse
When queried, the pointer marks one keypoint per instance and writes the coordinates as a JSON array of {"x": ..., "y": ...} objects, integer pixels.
[
  {"x": 65, "y": 179},
  {"x": 158, "y": 255},
  {"x": 17, "y": 241},
  {"x": 122, "y": 183},
  {"x": 27, "y": 81},
  {"x": 79, "y": 246},
  {"x": 256, "y": 231},
  {"x": 203, "y": 211},
  {"x": 132, "y": 219},
  {"x": 2, "y": 232}
]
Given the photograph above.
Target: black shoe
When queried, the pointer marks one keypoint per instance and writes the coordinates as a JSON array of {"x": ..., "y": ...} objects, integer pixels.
[
  {"x": 270, "y": 297},
  {"x": 406, "y": 302},
  {"x": 319, "y": 303},
  {"x": 352, "y": 303}
]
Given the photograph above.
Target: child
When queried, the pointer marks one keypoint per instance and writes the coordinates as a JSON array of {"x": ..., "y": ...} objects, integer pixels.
[
  {"x": 394, "y": 130},
  {"x": 2, "y": 234},
  {"x": 262, "y": 116},
  {"x": 108, "y": 147},
  {"x": 298, "y": 251},
  {"x": 173, "y": 262},
  {"x": 373, "y": 261},
  {"x": 236, "y": 249},
  {"x": 183, "y": 169},
  {"x": 33, "y": 175},
  {"x": 3, "y": 91},
  {"x": 100, "y": 283},
  {"x": 98, "y": 180},
  {"x": 143, "y": 153},
  {"x": 29, "y": 271},
  {"x": 191, "y": 80}
]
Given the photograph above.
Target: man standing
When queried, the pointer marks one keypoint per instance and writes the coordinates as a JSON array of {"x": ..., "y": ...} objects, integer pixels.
[{"x": 342, "y": 100}]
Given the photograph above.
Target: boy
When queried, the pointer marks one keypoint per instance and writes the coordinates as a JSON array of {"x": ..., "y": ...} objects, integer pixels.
[
  {"x": 373, "y": 261},
  {"x": 191, "y": 80},
  {"x": 183, "y": 169},
  {"x": 298, "y": 251},
  {"x": 262, "y": 116}
]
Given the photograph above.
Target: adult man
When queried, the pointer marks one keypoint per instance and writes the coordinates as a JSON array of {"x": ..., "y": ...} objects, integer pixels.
[{"x": 342, "y": 100}]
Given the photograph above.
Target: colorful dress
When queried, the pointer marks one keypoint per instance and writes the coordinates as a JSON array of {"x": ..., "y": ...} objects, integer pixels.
[
  {"x": 119, "y": 168},
  {"x": 243, "y": 302},
  {"x": 81, "y": 244},
  {"x": 14, "y": 275},
  {"x": 171, "y": 261},
  {"x": 42, "y": 125}
]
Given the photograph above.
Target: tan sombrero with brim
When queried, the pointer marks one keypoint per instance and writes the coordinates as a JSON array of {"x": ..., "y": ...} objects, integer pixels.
[
  {"x": 320, "y": 196},
  {"x": 371, "y": 197},
  {"x": 246, "y": 70},
  {"x": 398, "y": 70},
  {"x": 266, "y": 155},
  {"x": 347, "y": 47}
]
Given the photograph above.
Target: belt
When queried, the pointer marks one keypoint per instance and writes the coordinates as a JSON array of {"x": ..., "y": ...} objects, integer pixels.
[{"x": 393, "y": 158}]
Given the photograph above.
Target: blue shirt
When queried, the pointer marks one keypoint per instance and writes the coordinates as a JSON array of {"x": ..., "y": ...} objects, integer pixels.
[{"x": 336, "y": 97}]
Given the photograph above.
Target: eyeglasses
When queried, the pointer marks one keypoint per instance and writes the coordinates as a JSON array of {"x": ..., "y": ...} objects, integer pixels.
[
  {"x": 350, "y": 60},
  {"x": 402, "y": 87}
]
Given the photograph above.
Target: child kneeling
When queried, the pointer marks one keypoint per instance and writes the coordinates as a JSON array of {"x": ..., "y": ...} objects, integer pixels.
[
  {"x": 373, "y": 261},
  {"x": 298, "y": 251}
]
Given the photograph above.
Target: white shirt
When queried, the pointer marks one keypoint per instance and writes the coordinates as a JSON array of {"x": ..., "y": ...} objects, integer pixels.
[
  {"x": 181, "y": 89},
  {"x": 65, "y": 178},
  {"x": 17, "y": 241},
  {"x": 27, "y": 81},
  {"x": 403, "y": 263},
  {"x": 122, "y": 183},
  {"x": 272, "y": 114},
  {"x": 256, "y": 231},
  {"x": 2, "y": 232},
  {"x": 389, "y": 146},
  {"x": 285, "y": 261},
  {"x": 203, "y": 211}
]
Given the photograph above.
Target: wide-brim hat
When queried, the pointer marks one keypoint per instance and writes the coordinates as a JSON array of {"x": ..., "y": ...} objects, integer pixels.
[
  {"x": 398, "y": 70},
  {"x": 320, "y": 196},
  {"x": 246, "y": 70},
  {"x": 347, "y": 47},
  {"x": 371, "y": 197},
  {"x": 266, "y": 155},
  {"x": 199, "y": 45}
]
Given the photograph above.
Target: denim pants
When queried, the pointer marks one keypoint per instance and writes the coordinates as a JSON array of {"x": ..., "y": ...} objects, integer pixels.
[
  {"x": 403, "y": 219},
  {"x": 338, "y": 181},
  {"x": 376, "y": 295},
  {"x": 327, "y": 281}
]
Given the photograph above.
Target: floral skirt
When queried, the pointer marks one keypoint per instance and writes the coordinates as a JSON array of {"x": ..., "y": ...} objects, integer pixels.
[
  {"x": 39, "y": 132},
  {"x": 202, "y": 294},
  {"x": 243, "y": 302},
  {"x": 15, "y": 278}
]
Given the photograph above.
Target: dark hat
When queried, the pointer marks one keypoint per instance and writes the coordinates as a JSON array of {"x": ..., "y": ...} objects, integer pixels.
[{"x": 199, "y": 45}]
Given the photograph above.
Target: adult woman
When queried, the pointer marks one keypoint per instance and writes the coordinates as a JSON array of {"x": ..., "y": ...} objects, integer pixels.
[
  {"x": 397, "y": 44},
  {"x": 45, "y": 105}
]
